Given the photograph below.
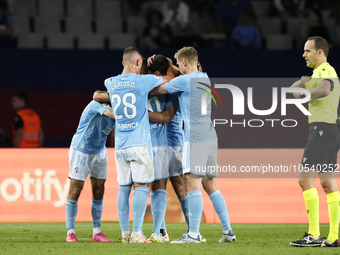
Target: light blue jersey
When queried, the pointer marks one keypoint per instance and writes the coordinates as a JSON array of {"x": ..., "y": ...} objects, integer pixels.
[
  {"x": 129, "y": 100},
  {"x": 93, "y": 129},
  {"x": 175, "y": 132},
  {"x": 197, "y": 126},
  {"x": 158, "y": 130}
]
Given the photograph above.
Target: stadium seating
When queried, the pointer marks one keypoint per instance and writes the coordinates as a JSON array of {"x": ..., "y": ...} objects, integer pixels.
[
  {"x": 90, "y": 41},
  {"x": 199, "y": 24},
  {"x": 30, "y": 41},
  {"x": 81, "y": 8},
  {"x": 293, "y": 26},
  {"x": 120, "y": 41},
  {"x": 60, "y": 41},
  {"x": 81, "y": 18},
  {"x": 151, "y": 5},
  {"x": 47, "y": 25},
  {"x": 21, "y": 24},
  {"x": 261, "y": 8},
  {"x": 269, "y": 26},
  {"x": 50, "y": 8},
  {"x": 279, "y": 42},
  {"x": 107, "y": 8},
  {"x": 106, "y": 26},
  {"x": 329, "y": 23},
  {"x": 79, "y": 25},
  {"x": 26, "y": 8},
  {"x": 135, "y": 25}
]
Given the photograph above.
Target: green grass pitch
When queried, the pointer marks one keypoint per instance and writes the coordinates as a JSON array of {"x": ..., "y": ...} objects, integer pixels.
[{"x": 257, "y": 239}]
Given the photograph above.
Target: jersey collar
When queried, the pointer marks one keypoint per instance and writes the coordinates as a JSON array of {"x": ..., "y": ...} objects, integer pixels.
[{"x": 322, "y": 66}]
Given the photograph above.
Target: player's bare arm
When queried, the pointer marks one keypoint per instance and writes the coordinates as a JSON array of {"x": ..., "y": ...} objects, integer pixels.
[
  {"x": 101, "y": 96},
  {"x": 173, "y": 69},
  {"x": 163, "y": 117},
  {"x": 159, "y": 90},
  {"x": 322, "y": 90},
  {"x": 170, "y": 74},
  {"x": 300, "y": 84},
  {"x": 109, "y": 113},
  {"x": 150, "y": 59}
]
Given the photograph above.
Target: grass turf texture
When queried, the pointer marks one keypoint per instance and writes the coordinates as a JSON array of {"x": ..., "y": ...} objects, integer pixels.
[{"x": 49, "y": 238}]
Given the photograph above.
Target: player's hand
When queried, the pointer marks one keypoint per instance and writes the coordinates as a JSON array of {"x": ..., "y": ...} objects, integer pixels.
[
  {"x": 297, "y": 95},
  {"x": 199, "y": 67},
  {"x": 150, "y": 59},
  {"x": 170, "y": 62},
  {"x": 305, "y": 79}
]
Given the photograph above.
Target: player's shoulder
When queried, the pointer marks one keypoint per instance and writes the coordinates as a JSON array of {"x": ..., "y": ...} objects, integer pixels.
[
  {"x": 110, "y": 79},
  {"x": 122, "y": 77},
  {"x": 180, "y": 78},
  {"x": 150, "y": 76},
  {"x": 196, "y": 75},
  {"x": 327, "y": 71},
  {"x": 95, "y": 104},
  {"x": 202, "y": 75}
]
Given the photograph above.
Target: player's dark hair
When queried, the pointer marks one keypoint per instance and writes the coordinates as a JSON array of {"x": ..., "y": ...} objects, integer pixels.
[
  {"x": 159, "y": 63},
  {"x": 131, "y": 49},
  {"x": 144, "y": 68},
  {"x": 320, "y": 43},
  {"x": 21, "y": 95}
]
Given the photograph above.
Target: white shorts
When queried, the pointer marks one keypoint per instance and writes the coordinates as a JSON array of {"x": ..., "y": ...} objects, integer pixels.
[
  {"x": 82, "y": 165},
  {"x": 135, "y": 165},
  {"x": 200, "y": 158},
  {"x": 161, "y": 163},
  {"x": 175, "y": 160}
]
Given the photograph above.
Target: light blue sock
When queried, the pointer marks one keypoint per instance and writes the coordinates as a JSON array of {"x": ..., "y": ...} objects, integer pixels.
[
  {"x": 96, "y": 211},
  {"x": 152, "y": 200},
  {"x": 123, "y": 207},
  {"x": 152, "y": 196},
  {"x": 195, "y": 202},
  {"x": 139, "y": 201},
  {"x": 158, "y": 209},
  {"x": 185, "y": 208},
  {"x": 221, "y": 209},
  {"x": 71, "y": 213},
  {"x": 163, "y": 224}
]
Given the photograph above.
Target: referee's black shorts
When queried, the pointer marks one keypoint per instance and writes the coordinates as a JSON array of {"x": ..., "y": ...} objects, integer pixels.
[{"x": 322, "y": 147}]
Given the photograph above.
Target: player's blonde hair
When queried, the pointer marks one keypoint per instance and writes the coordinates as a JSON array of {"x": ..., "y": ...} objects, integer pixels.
[{"x": 187, "y": 53}]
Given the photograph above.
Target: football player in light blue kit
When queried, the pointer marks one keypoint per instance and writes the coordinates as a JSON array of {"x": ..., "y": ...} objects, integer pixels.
[
  {"x": 88, "y": 156},
  {"x": 128, "y": 93},
  {"x": 125, "y": 190},
  {"x": 157, "y": 104},
  {"x": 200, "y": 144},
  {"x": 173, "y": 117},
  {"x": 174, "y": 143},
  {"x": 160, "y": 150}
]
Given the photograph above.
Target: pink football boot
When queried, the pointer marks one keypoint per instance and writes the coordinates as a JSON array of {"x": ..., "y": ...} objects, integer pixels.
[{"x": 100, "y": 237}]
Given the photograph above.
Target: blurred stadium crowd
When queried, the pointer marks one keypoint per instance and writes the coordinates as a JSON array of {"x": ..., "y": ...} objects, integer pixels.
[{"x": 167, "y": 24}]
